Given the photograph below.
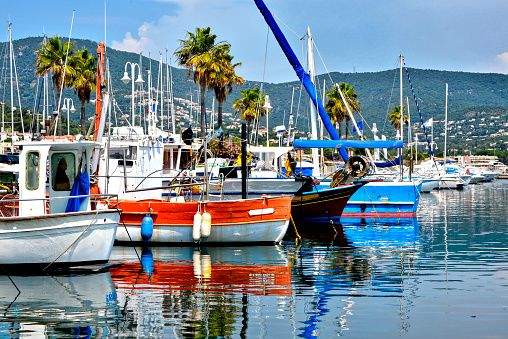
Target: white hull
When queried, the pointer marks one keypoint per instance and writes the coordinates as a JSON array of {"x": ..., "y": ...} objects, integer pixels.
[
  {"x": 429, "y": 185},
  {"x": 232, "y": 188},
  {"x": 476, "y": 179},
  {"x": 67, "y": 239},
  {"x": 265, "y": 231},
  {"x": 451, "y": 183}
]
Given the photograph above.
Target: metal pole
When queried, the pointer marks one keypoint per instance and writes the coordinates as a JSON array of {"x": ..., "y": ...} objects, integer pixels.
[
  {"x": 133, "y": 118},
  {"x": 244, "y": 161},
  {"x": 313, "y": 114},
  {"x": 401, "y": 119},
  {"x": 446, "y": 122},
  {"x": 12, "y": 87}
]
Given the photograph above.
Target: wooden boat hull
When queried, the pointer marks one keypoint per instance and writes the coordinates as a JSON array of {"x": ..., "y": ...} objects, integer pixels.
[
  {"x": 68, "y": 239},
  {"x": 322, "y": 205},
  {"x": 260, "y": 220}
]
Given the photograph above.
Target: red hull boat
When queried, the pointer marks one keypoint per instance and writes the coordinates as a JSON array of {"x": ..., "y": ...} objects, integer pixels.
[{"x": 260, "y": 220}]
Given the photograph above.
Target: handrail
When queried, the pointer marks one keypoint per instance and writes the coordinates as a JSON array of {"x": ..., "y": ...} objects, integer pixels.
[{"x": 56, "y": 198}]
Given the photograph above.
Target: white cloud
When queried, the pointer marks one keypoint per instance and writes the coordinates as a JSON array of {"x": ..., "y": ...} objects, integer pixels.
[
  {"x": 235, "y": 21},
  {"x": 501, "y": 63},
  {"x": 503, "y": 57}
]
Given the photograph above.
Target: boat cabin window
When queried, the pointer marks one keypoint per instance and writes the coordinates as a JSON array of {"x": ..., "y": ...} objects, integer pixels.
[
  {"x": 63, "y": 171},
  {"x": 32, "y": 171},
  {"x": 117, "y": 153}
]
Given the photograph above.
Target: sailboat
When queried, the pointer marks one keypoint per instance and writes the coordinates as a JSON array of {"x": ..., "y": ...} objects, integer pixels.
[
  {"x": 399, "y": 198},
  {"x": 452, "y": 176}
]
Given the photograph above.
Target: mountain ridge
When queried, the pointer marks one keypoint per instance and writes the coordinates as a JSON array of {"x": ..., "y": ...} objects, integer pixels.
[{"x": 472, "y": 94}]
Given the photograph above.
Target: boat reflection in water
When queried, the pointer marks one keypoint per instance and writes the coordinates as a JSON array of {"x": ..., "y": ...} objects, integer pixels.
[
  {"x": 384, "y": 232},
  {"x": 352, "y": 264},
  {"x": 182, "y": 291},
  {"x": 76, "y": 304}
]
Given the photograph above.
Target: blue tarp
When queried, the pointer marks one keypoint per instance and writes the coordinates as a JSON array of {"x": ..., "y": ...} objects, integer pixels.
[
  {"x": 304, "y": 144},
  {"x": 81, "y": 186}
]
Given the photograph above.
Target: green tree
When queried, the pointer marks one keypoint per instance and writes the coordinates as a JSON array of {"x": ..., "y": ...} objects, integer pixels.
[
  {"x": 394, "y": 117},
  {"x": 83, "y": 80},
  {"x": 194, "y": 54},
  {"x": 50, "y": 58},
  {"x": 223, "y": 77},
  {"x": 250, "y": 105},
  {"x": 335, "y": 106}
]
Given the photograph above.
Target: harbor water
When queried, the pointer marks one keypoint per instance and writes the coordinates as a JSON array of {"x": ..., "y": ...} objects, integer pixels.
[{"x": 442, "y": 275}]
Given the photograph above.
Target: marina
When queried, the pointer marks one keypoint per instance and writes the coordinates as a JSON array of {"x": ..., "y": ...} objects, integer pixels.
[
  {"x": 449, "y": 260},
  {"x": 148, "y": 191}
]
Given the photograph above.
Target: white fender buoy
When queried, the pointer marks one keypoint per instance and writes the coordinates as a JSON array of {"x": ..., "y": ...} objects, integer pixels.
[
  {"x": 206, "y": 266},
  {"x": 206, "y": 225},
  {"x": 196, "y": 226},
  {"x": 196, "y": 264}
]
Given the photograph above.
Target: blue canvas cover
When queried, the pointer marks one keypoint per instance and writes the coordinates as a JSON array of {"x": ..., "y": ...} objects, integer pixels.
[{"x": 81, "y": 186}]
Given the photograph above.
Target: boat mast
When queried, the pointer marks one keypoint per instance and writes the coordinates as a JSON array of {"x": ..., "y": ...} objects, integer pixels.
[
  {"x": 12, "y": 86},
  {"x": 169, "y": 74},
  {"x": 290, "y": 115},
  {"x": 445, "y": 122},
  {"x": 401, "y": 117},
  {"x": 313, "y": 115}
]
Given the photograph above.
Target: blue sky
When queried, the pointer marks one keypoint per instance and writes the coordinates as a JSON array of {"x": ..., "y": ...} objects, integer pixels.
[{"x": 361, "y": 35}]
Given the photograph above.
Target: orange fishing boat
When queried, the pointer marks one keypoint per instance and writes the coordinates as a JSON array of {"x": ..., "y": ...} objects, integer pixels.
[
  {"x": 259, "y": 220},
  {"x": 140, "y": 154}
]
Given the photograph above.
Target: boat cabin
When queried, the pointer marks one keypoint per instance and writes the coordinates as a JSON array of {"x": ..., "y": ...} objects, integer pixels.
[
  {"x": 138, "y": 168},
  {"x": 47, "y": 170}
]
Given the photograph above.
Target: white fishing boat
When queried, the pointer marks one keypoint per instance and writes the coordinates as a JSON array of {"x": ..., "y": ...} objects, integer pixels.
[{"x": 52, "y": 222}]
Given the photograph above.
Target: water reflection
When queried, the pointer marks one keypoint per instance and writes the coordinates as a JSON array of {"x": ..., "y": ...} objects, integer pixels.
[
  {"x": 77, "y": 304},
  {"x": 182, "y": 291},
  {"x": 338, "y": 272},
  {"x": 442, "y": 275},
  {"x": 381, "y": 233}
]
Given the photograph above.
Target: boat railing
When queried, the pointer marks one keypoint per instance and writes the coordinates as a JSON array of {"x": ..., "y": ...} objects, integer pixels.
[{"x": 9, "y": 203}]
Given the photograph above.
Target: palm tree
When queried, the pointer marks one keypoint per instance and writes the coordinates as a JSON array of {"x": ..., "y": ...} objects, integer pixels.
[
  {"x": 193, "y": 54},
  {"x": 250, "y": 105},
  {"x": 50, "y": 58},
  {"x": 83, "y": 80},
  {"x": 224, "y": 77},
  {"x": 335, "y": 106},
  {"x": 394, "y": 117}
]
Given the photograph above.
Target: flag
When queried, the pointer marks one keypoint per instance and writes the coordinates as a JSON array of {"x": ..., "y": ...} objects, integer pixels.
[{"x": 429, "y": 123}]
